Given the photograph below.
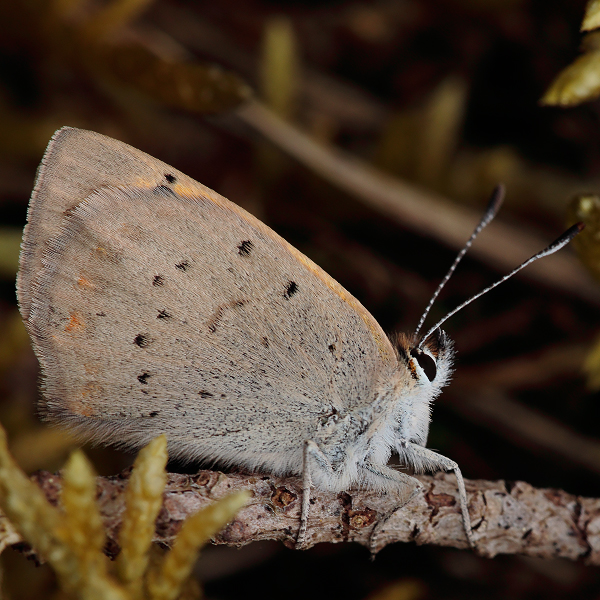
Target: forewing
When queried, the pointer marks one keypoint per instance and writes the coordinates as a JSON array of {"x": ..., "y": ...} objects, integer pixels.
[
  {"x": 75, "y": 165},
  {"x": 155, "y": 310}
]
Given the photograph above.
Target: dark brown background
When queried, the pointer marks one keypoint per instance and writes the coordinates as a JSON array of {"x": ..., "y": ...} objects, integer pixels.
[{"x": 389, "y": 58}]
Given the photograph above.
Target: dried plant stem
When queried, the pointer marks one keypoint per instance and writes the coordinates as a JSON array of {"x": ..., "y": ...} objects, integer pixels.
[
  {"x": 503, "y": 245},
  {"x": 513, "y": 519},
  {"x": 527, "y": 426}
]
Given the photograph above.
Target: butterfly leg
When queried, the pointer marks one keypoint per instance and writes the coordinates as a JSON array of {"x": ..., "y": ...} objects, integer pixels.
[
  {"x": 313, "y": 458},
  {"x": 398, "y": 479},
  {"x": 428, "y": 460}
]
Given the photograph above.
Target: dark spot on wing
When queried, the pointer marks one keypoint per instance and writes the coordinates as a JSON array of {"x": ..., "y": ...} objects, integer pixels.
[
  {"x": 245, "y": 248},
  {"x": 290, "y": 290},
  {"x": 101, "y": 314},
  {"x": 163, "y": 314},
  {"x": 183, "y": 265},
  {"x": 170, "y": 178},
  {"x": 217, "y": 315},
  {"x": 158, "y": 280},
  {"x": 331, "y": 348},
  {"x": 205, "y": 394},
  {"x": 265, "y": 342},
  {"x": 141, "y": 340},
  {"x": 154, "y": 413},
  {"x": 143, "y": 378}
]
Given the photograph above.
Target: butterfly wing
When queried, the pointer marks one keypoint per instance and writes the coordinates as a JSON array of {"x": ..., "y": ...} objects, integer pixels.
[
  {"x": 156, "y": 306},
  {"x": 76, "y": 163}
]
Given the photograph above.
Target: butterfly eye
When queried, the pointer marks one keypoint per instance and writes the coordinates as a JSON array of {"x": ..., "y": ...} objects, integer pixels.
[{"x": 426, "y": 363}]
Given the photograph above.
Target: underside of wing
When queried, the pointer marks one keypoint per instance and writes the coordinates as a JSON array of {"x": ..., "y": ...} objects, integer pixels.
[
  {"x": 76, "y": 164},
  {"x": 155, "y": 312},
  {"x": 156, "y": 305}
]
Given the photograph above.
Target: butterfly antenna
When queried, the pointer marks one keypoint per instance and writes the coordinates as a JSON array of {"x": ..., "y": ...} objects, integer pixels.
[
  {"x": 559, "y": 243},
  {"x": 494, "y": 203}
]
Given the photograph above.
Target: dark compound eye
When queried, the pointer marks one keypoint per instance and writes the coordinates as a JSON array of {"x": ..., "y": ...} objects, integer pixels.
[{"x": 426, "y": 363}]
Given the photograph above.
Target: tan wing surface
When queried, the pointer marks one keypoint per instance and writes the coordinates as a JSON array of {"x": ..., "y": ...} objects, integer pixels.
[{"x": 157, "y": 305}]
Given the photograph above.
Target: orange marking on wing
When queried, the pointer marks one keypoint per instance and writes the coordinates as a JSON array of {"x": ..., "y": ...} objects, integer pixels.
[
  {"x": 79, "y": 408},
  {"x": 74, "y": 323},
  {"x": 91, "y": 391},
  {"x": 194, "y": 189},
  {"x": 84, "y": 283}
]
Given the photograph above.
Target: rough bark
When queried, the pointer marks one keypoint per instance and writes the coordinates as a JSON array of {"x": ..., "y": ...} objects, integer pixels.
[{"x": 507, "y": 518}]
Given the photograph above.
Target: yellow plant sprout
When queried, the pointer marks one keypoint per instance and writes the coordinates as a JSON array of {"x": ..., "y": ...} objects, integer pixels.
[
  {"x": 591, "y": 367},
  {"x": 586, "y": 208},
  {"x": 280, "y": 67},
  {"x": 592, "y": 16},
  {"x": 580, "y": 81},
  {"x": 46, "y": 528},
  {"x": 143, "y": 500},
  {"x": 79, "y": 503},
  {"x": 72, "y": 539},
  {"x": 84, "y": 532},
  {"x": 167, "y": 578}
]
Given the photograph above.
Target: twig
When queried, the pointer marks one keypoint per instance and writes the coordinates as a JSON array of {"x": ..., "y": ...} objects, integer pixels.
[
  {"x": 352, "y": 107},
  {"x": 502, "y": 246},
  {"x": 526, "y": 370},
  {"x": 526, "y": 426},
  {"x": 507, "y": 519}
]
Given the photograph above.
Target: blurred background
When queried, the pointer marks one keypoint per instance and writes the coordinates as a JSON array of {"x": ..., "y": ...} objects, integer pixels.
[{"x": 430, "y": 101}]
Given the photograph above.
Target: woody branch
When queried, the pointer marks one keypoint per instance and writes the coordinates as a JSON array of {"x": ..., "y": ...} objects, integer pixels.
[{"x": 511, "y": 519}]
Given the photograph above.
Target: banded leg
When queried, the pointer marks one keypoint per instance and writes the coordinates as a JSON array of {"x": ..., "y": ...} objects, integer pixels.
[
  {"x": 312, "y": 457},
  {"x": 432, "y": 461}
]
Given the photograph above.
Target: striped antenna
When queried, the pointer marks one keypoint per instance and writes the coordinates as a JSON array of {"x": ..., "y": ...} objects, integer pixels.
[
  {"x": 494, "y": 204},
  {"x": 559, "y": 243}
]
